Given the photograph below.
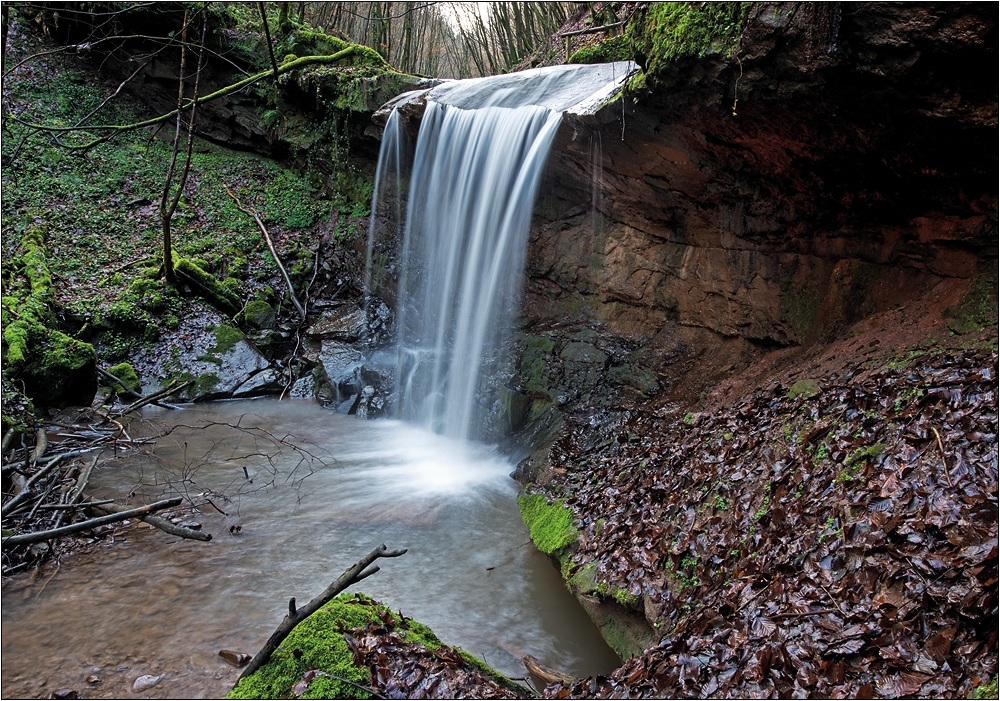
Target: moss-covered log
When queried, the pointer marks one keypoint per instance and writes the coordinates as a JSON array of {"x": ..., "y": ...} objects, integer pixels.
[{"x": 53, "y": 368}]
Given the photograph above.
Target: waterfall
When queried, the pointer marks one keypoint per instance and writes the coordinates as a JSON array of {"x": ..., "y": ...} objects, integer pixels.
[{"x": 480, "y": 153}]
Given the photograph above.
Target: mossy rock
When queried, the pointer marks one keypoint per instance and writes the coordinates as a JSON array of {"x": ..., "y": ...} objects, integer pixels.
[
  {"x": 260, "y": 315},
  {"x": 669, "y": 31},
  {"x": 550, "y": 525},
  {"x": 804, "y": 388},
  {"x": 56, "y": 370},
  {"x": 206, "y": 286},
  {"x": 636, "y": 377},
  {"x": 978, "y": 308},
  {"x": 318, "y": 643},
  {"x": 127, "y": 374}
]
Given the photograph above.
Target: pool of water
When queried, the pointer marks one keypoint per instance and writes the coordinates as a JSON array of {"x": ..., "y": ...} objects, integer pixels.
[{"x": 306, "y": 493}]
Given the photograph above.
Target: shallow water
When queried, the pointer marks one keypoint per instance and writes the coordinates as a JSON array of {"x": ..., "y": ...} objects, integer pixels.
[{"x": 149, "y": 603}]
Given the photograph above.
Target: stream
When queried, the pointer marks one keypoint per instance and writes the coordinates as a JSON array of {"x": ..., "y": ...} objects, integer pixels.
[{"x": 326, "y": 489}]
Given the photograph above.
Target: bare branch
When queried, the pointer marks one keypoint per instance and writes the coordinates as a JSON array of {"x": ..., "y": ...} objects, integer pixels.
[
  {"x": 40, "y": 536},
  {"x": 351, "y": 576},
  {"x": 274, "y": 253}
]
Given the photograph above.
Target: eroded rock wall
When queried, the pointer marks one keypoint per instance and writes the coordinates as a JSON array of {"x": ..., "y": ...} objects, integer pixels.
[{"x": 842, "y": 164}]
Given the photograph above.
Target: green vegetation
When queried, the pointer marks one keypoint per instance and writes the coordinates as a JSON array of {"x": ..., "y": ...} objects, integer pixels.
[
  {"x": 988, "y": 691},
  {"x": 978, "y": 308},
  {"x": 550, "y": 525},
  {"x": 856, "y": 461},
  {"x": 54, "y": 368},
  {"x": 89, "y": 219},
  {"x": 127, "y": 374},
  {"x": 318, "y": 644},
  {"x": 669, "y": 31},
  {"x": 804, "y": 388},
  {"x": 617, "y": 48}
]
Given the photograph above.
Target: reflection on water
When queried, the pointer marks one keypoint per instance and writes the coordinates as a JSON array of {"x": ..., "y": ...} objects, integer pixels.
[{"x": 152, "y": 604}]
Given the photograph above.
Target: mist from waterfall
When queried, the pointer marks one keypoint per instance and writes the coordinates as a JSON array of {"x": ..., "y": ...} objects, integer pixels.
[{"x": 480, "y": 154}]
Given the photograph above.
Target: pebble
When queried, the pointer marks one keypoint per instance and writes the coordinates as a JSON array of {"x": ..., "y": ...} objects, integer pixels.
[
  {"x": 66, "y": 694},
  {"x": 146, "y": 681},
  {"x": 236, "y": 659},
  {"x": 93, "y": 679}
]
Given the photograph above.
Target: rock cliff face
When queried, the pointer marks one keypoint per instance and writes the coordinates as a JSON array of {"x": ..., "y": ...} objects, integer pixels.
[{"x": 842, "y": 164}]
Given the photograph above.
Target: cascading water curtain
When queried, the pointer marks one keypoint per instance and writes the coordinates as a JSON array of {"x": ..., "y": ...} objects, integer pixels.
[
  {"x": 387, "y": 205},
  {"x": 473, "y": 185}
]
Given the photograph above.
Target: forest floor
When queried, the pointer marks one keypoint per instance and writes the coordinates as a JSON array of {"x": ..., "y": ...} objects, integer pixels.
[{"x": 824, "y": 525}]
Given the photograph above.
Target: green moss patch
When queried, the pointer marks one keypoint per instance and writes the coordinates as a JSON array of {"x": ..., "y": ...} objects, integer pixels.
[
  {"x": 978, "y": 308},
  {"x": 317, "y": 644},
  {"x": 617, "y": 48},
  {"x": 54, "y": 368},
  {"x": 669, "y": 31},
  {"x": 804, "y": 389},
  {"x": 988, "y": 691},
  {"x": 316, "y": 660},
  {"x": 550, "y": 525},
  {"x": 207, "y": 287},
  {"x": 127, "y": 374}
]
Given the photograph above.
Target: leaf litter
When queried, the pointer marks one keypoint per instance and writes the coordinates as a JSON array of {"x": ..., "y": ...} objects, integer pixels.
[{"x": 837, "y": 545}]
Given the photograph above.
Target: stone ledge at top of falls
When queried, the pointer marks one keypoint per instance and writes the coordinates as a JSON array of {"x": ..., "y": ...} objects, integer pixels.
[{"x": 575, "y": 90}]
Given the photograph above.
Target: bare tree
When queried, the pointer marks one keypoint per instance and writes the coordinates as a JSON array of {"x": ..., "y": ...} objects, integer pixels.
[{"x": 168, "y": 202}]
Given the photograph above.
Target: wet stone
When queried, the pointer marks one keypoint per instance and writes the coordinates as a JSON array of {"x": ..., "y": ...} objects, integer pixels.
[
  {"x": 236, "y": 659},
  {"x": 66, "y": 694},
  {"x": 93, "y": 679},
  {"x": 146, "y": 681}
]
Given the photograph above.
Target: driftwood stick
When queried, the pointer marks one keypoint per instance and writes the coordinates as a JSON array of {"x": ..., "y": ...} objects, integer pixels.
[
  {"x": 39, "y": 536},
  {"x": 14, "y": 501},
  {"x": 546, "y": 674},
  {"x": 944, "y": 457},
  {"x": 156, "y": 521},
  {"x": 7, "y": 439},
  {"x": 156, "y": 396},
  {"x": 41, "y": 445},
  {"x": 594, "y": 30},
  {"x": 82, "y": 480},
  {"x": 70, "y": 505},
  {"x": 352, "y": 575},
  {"x": 274, "y": 253}
]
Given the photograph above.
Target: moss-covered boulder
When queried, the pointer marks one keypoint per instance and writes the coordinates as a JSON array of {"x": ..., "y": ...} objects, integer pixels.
[
  {"x": 354, "y": 645},
  {"x": 128, "y": 376},
  {"x": 55, "y": 369}
]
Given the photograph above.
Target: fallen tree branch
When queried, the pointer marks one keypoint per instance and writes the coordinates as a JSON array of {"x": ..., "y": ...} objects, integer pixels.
[
  {"x": 112, "y": 130},
  {"x": 352, "y": 575},
  {"x": 594, "y": 30},
  {"x": 125, "y": 391},
  {"x": 274, "y": 252},
  {"x": 155, "y": 521},
  {"x": 8, "y": 506},
  {"x": 155, "y": 396},
  {"x": 41, "y": 445},
  {"x": 40, "y": 536},
  {"x": 546, "y": 674}
]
